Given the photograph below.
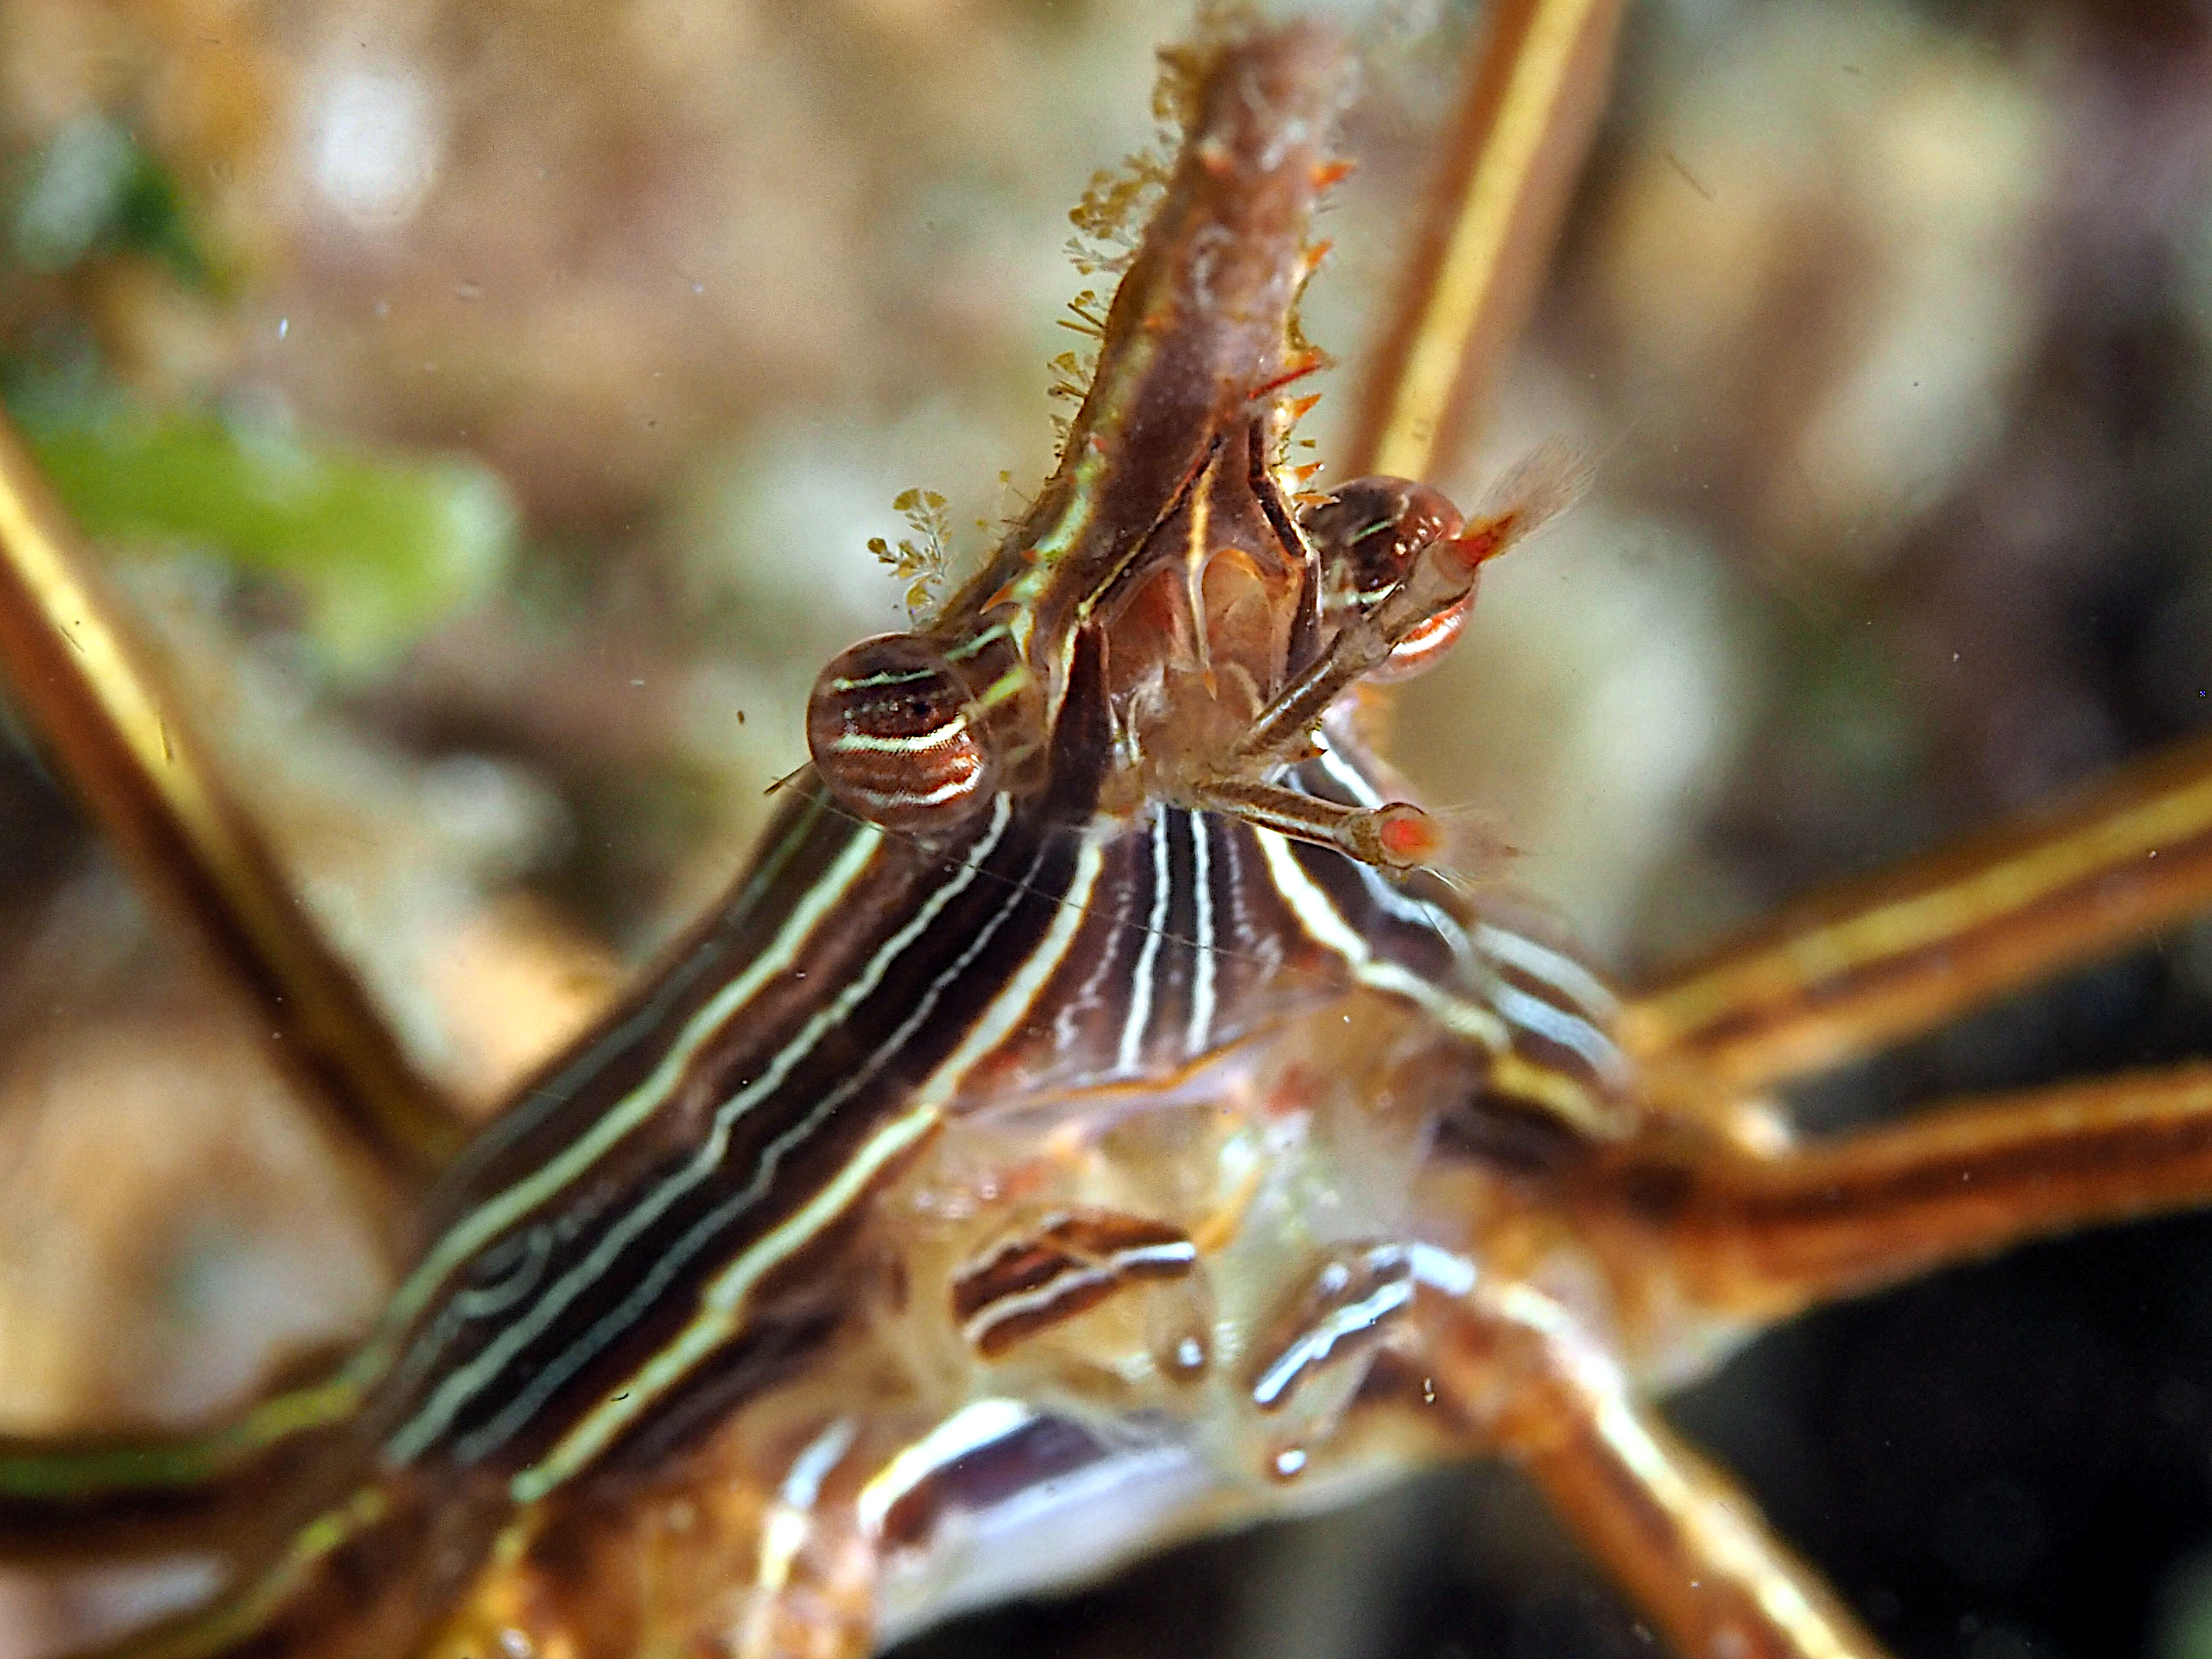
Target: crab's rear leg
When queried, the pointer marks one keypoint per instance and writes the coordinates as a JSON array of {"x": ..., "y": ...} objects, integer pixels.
[
  {"x": 1755, "y": 1237},
  {"x": 1763, "y": 1236},
  {"x": 1862, "y": 967},
  {"x": 74, "y": 670},
  {"x": 105, "y": 1497},
  {"x": 1529, "y": 104}
]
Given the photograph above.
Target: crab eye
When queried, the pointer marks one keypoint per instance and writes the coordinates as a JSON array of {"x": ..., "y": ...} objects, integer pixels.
[
  {"x": 896, "y": 735},
  {"x": 1367, "y": 534}
]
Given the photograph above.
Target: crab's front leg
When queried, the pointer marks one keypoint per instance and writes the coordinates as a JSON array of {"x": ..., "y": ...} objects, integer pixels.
[
  {"x": 1684, "y": 1543},
  {"x": 1518, "y": 1375},
  {"x": 963, "y": 1371},
  {"x": 760, "y": 1552}
]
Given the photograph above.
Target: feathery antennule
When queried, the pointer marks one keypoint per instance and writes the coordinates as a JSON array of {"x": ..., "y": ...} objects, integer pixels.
[
  {"x": 1110, "y": 218},
  {"x": 1118, "y": 202},
  {"x": 1109, "y": 221},
  {"x": 920, "y": 561},
  {"x": 1071, "y": 372},
  {"x": 1087, "y": 315}
]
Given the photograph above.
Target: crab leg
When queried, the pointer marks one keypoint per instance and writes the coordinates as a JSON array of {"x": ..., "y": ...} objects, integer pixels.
[
  {"x": 1534, "y": 86},
  {"x": 110, "y": 1497},
  {"x": 1866, "y": 966},
  {"x": 74, "y": 671},
  {"x": 1768, "y": 1236},
  {"x": 1672, "y": 1532}
]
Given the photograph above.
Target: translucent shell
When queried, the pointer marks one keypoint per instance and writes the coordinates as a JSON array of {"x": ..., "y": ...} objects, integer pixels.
[
  {"x": 897, "y": 736},
  {"x": 1367, "y": 534}
]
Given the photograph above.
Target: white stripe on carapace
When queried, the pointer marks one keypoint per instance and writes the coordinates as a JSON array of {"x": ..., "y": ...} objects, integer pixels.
[
  {"x": 1195, "y": 553},
  {"x": 1349, "y": 777},
  {"x": 1533, "y": 1014},
  {"x": 723, "y": 1303},
  {"x": 1403, "y": 907},
  {"x": 1393, "y": 900},
  {"x": 1562, "y": 973},
  {"x": 483, "y": 1301},
  {"x": 889, "y": 676},
  {"x": 1441, "y": 1270},
  {"x": 1140, "y": 983},
  {"x": 1176, "y": 1252},
  {"x": 1011, "y": 1009},
  {"x": 785, "y": 1534},
  {"x": 974, "y": 646},
  {"x": 1200, "y": 1031},
  {"x": 937, "y": 737},
  {"x": 597, "y": 1430},
  {"x": 643, "y": 1295},
  {"x": 942, "y": 793},
  {"x": 465, "y": 1383},
  {"x": 969, "y": 1429},
  {"x": 1570, "y": 1028},
  {"x": 1327, "y": 928},
  {"x": 495, "y": 1214},
  {"x": 1315, "y": 1344}
]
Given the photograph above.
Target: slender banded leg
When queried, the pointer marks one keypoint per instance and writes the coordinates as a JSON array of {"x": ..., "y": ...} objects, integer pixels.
[
  {"x": 1680, "y": 1540},
  {"x": 1533, "y": 89},
  {"x": 115, "y": 1497},
  {"x": 75, "y": 672},
  {"x": 1867, "y": 965},
  {"x": 1766, "y": 1235}
]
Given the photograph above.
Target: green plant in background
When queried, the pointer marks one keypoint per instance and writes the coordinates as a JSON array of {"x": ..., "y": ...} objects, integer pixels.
[
  {"x": 380, "y": 546},
  {"x": 95, "y": 190}
]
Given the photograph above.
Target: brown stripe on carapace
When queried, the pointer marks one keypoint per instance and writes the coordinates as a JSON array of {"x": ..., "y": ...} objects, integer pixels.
[{"x": 1072, "y": 1264}]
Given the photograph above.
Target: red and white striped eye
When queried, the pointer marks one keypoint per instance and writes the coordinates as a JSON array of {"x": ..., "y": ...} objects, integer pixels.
[
  {"x": 896, "y": 736},
  {"x": 1367, "y": 534}
]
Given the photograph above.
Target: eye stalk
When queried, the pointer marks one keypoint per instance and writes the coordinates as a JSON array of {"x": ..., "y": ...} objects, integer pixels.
[
  {"x": 899, "y": 737},
  {"x": 1367, "y": 535},
  {"x": 1398, "y": 570}
]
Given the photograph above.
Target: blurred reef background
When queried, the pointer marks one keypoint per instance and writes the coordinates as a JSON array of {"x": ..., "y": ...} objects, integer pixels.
[{"x": 487, "y": 405}]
